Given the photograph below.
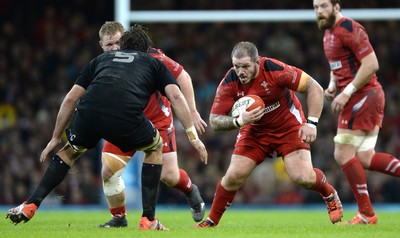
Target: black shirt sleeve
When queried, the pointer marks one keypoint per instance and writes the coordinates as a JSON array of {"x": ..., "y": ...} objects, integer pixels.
[
  {"x": 86, "y": 76},
  {"x": 164, "y": 76}
]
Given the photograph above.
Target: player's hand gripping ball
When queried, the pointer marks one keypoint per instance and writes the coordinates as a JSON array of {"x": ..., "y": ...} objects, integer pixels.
[{"x": 246, "y": 103}]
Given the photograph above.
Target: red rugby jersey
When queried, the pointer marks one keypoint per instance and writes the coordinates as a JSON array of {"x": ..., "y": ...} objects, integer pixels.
[
  {"x": 345, "y": 45},
  {"x": 276, "y": 84},
  {"x": 159, "y": 106}
]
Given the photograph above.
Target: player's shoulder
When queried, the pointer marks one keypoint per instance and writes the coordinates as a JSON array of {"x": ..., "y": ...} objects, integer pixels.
[
  {"x": 348, "y": 25},
  {"x": 272, "y": 64},
  {"x": 160, "y": 55},
  {"x": 230, "y": 77},
  {"x": 155, "y": 51}
]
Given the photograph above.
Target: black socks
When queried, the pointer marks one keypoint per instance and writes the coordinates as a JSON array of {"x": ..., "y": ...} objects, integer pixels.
[
  {"x": 55, "y": 174},
  {"x": 151, "y": 174}
]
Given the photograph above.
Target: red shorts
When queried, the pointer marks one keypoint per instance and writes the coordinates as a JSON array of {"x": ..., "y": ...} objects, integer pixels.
[
  {"x": 363, "y": 111},
  {"x": 258, "y": 145},
  {"x": 167, "y": 132}
]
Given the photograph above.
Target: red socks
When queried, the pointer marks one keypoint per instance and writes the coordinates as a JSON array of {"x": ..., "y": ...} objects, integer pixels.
[
  {"x": 118, "y": 212},
  {"x": 222, "y": 200},
  {"x": 321, "y": 185},
  {"x": 184, "y": 184},
  {"x": 356, "y": 177},
  {"x": 385, "y": 163}
]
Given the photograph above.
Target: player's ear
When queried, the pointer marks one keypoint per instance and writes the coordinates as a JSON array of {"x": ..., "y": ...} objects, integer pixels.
[{"x": 337, "y": 7}]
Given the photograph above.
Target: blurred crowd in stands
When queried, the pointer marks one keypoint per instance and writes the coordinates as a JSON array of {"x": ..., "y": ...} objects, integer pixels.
[{"x": 44, "y": 45}]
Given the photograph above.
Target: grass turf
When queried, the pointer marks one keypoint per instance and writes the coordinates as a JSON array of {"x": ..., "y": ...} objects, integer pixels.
[{"x": 235, "y": 223}]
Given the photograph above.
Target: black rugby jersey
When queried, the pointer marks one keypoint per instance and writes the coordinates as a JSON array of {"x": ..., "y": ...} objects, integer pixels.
[{"x": 122, "y": 80}]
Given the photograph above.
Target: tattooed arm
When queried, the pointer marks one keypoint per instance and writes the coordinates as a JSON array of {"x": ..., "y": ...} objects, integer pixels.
[
  {"x": 222, "y": 122},
  {"x": 228, "y": 123}
]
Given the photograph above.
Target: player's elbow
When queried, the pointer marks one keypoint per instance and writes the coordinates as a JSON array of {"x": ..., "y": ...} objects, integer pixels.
[
  {"x": 173, "y": 93},
  {"x": 70, "y": 100},
  {"x": 370, "y": 63},
  {"x": 316, "y": 89}
]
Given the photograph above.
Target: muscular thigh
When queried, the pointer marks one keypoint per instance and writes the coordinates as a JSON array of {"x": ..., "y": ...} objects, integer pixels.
[
  {"x": 298, "y": 164},
  {"x": 238, "y": 171},
  {"x": 170, "y": 162}
]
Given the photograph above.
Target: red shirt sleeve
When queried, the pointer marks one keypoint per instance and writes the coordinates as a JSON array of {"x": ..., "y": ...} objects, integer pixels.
[
  {"x": 174, "y": 67},
  {"x": 224, "y": 96},
  {"x": 357, "y": 41}
]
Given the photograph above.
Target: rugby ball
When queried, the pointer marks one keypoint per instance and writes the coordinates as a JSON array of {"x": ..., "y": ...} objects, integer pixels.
[{"x": 246, "y": 103}]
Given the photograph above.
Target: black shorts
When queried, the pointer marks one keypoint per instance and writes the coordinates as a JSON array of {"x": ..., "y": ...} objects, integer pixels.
[{"x": 87, "y": 128}]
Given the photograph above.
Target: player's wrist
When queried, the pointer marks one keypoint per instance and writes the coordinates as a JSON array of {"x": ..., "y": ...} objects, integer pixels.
[
  {"x": 312, "y": 121},
  {"x": 350, "y": 89},
  {"x": 238, "y": 122},
  {"x": 192, "y": 133}
]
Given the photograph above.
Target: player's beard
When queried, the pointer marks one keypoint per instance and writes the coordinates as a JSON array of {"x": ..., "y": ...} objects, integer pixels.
[
  {"x": 250, "y": 76},
  {"x": 327, "y": 23}
]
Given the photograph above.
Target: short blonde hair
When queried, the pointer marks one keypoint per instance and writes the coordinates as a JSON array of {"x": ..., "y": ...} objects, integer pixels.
[{"x": 110, "y": 28}]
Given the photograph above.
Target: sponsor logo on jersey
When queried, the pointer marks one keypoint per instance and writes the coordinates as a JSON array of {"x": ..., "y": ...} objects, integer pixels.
[
  {"x": 272, "y": 107},
  {"x": 335, "y": 65}
]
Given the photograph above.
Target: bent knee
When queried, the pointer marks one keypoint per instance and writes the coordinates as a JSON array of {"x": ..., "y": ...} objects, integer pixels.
[
  {"x": 170, "y": 179},
  {"x": 233, "y": 182},
  {"x": 303, "y": 180},
  {"x": 106, "y": 173},
  {"x": 112, "y": 164}
]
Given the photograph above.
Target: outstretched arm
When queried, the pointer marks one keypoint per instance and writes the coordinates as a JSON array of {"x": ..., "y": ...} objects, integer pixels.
[
  {"x": 181, "y": 110},
  {"x": 185, "y": 83},
  {"x": 63, "y": 117}
]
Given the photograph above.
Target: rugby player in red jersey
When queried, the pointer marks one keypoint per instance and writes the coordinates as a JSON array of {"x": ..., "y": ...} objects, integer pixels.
[
  {"x": 281, "y": 127},
  {"x": 358, "y": 98}
]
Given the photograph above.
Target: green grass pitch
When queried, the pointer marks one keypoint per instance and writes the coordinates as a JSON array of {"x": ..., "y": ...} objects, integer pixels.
[{"x": 235, "y": 223}]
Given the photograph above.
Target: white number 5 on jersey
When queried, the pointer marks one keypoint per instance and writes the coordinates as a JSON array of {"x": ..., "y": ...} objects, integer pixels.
[{"x": 124, "y": 57}]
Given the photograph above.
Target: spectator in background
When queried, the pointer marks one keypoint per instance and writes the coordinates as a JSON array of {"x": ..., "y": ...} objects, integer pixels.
[{"x": 359, "y": 99}]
